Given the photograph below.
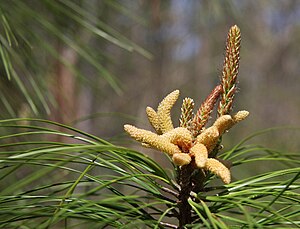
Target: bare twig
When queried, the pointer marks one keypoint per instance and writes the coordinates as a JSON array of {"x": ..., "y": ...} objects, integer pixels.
[
  {"x": 168, "y": 225},
  {"x": 170, "y": 191}
]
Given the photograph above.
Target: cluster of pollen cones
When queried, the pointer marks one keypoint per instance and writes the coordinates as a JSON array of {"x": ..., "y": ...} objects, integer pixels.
[{"x": 190, "y": 143}]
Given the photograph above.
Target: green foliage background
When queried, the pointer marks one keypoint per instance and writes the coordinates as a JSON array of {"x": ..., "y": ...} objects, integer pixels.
[{"x": 93, "y": 183}]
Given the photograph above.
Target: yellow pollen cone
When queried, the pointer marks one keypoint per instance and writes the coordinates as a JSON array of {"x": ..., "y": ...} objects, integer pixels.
[
  {"x": 240, "y": 116},
  {"x": 151, "y": 139},
  {"x": 200, "y": 154},
  {"x": 164, "y": 111},
  {"x": 219, "y": 169},
  {"x": 209, "y": 137},
  {"x": 181, "y": 159},
  {"x": 223, "y": 123},
  {"x": 179, "y": 136},
  {"x": 153, "y": 119}
]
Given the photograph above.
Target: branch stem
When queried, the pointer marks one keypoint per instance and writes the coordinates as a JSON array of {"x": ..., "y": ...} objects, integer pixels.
[{"x": 185, "y": 210}]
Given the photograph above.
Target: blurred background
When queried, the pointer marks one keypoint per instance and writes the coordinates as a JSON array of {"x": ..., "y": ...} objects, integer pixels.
[{"x": 96, "y": 65}]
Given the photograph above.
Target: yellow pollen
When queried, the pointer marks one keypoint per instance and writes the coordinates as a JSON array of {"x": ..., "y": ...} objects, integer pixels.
[
  {"x": 181, "y": 159},
  {"x": 200, "y": 154},
  {"x": 153, "y": 119},
  {"x": 179, "y": 136},
  {"x": 223, "y": 123},
  {"x": 209, "y": 137},
  {"x": 164, "y": 111},
  {"x": 218, "y": 169},
  {"x": 151, "y": 139}
]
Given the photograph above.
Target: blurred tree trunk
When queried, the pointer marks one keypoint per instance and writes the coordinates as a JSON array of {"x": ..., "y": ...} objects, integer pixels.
[{"x": 64, "y": 88}]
